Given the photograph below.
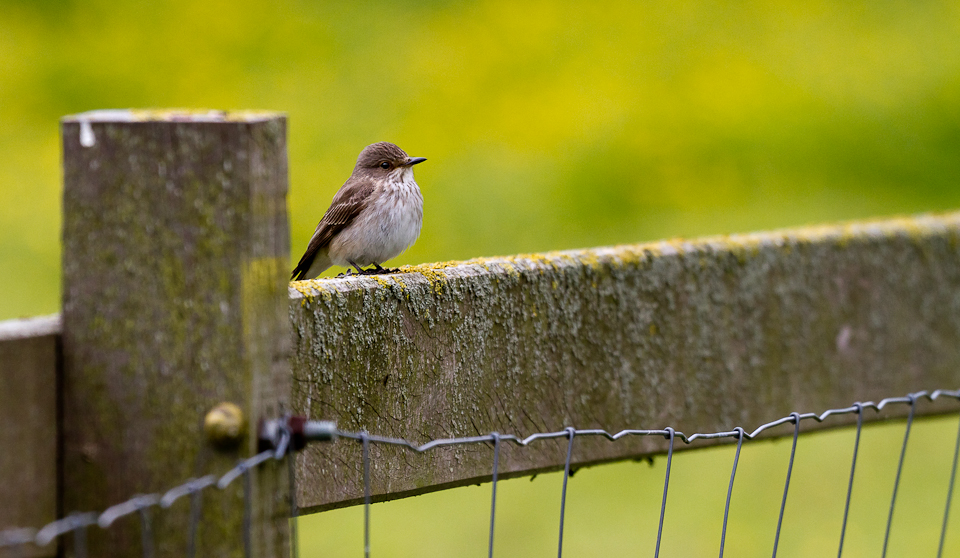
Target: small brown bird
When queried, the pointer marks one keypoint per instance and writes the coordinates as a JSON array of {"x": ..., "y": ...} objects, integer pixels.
[{"x": 375, "y": 215}]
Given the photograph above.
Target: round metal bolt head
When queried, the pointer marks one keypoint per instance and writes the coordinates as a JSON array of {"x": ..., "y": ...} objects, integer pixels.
[{"x": 225, "y": 425}]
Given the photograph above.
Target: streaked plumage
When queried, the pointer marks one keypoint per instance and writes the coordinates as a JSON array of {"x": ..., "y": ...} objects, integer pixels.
[{"x": 376, "y": 214}]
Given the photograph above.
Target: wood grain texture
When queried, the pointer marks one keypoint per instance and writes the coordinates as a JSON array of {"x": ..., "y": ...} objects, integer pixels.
[
  {"x": 702, "y": 335},
  {"x": 29, "y": 356},
  {"x": 175, "y": 255}
]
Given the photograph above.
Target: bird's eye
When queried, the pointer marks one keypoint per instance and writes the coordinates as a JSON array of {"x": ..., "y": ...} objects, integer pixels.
[{"x": 384, "y": 165}]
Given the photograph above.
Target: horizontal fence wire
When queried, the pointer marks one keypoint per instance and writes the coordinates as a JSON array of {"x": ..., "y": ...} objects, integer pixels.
[
  {"x": 670, "y": 434},
  {"x": 76, "y": 524},
  {"x": 488, "y": 438}
]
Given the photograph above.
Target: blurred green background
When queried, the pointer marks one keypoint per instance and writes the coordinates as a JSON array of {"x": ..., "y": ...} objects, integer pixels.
[{"x": 547, "y": 125}]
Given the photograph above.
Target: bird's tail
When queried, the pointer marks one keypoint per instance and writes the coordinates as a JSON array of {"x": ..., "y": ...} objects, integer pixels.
[{"x": 308, "y": 269}]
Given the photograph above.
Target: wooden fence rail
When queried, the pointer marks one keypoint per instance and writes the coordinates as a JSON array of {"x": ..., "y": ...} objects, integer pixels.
[
  {"x": 175, "y": 299},
  {"x": 702, "y": 336}
]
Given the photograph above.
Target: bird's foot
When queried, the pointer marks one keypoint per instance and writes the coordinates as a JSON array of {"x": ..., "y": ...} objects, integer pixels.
[
  {"x": 378, "y": 270},
  {"x": 375, "y": 270}
]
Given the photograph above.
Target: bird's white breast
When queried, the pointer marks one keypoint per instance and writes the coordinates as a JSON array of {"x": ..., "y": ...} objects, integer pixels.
[{"x": 389, "y": 224}]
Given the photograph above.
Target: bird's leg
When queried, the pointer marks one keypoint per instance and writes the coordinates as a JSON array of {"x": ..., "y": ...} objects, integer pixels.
[
  {"x": 377, "y": 269},
  {"x": 360, "y": 270},
  {"x": 372, "y": 270}
]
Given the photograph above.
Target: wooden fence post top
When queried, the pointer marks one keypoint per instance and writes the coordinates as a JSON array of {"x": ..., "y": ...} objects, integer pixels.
[
  {"x": 172, "y": 115},
  {"x": 702, "y": 335},
  {"x": 26, "y": 328}
]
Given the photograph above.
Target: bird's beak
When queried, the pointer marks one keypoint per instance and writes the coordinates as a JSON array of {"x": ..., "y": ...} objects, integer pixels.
[{"x": 414, "y": 161}]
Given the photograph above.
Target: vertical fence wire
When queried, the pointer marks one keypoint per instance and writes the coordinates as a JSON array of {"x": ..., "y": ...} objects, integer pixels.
[
  {"x": 146, "y": 535},
  {"x": 853, "y": 468},
  {"x": 733, "y": 475},
  {"x": 896, "y": 482},
  {"x": 247, "y": 513},
  {"x": 946, "y": 510},
  {"x": 365, "y": 441},
  {"x": 294, "y": 510},
  {"x": 563, "y": 494},
  {"x": 493, "y": 497},
  {"x": 786, "y": 485},
  {"x": 195, "y": 503},
  {"x": 80, "y": 542},
  {"x": 666, "y": 484}
]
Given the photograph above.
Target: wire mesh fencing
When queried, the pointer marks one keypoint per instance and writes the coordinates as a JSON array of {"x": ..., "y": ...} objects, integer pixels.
[{"x": 281, "y": 437}]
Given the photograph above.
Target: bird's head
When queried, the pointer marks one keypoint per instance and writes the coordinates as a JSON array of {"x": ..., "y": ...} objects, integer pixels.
[{"x": 383, "y": 159}]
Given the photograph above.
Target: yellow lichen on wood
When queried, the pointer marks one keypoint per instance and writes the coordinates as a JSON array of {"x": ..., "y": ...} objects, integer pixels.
[{"x": 699, "y": 334}]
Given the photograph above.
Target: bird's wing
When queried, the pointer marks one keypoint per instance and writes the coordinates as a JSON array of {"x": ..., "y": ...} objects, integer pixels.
[{"x": 346, "y": 205}]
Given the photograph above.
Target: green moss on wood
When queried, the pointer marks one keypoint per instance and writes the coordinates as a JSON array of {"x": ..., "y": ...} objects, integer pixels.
[
  {"x": 175, "y": 249},
  {"x": 701, "y": 335}
]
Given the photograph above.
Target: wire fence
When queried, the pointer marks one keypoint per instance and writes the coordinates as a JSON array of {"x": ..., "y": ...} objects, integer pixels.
[{"x": 282, "y": 437}]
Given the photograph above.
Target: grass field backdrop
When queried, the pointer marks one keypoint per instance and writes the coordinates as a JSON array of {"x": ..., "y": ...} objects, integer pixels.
[{"x": 547, "y": 125}]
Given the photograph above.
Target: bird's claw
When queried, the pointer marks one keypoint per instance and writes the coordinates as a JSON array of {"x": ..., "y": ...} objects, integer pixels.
[
  {"x": 371, "y": 271},
  {"x": 381, "y": 271}
]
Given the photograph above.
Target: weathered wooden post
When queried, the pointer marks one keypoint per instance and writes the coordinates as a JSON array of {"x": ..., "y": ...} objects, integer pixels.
[
  {"x": 175, "y": 254},
  {"x": 29, "y": 350}
]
